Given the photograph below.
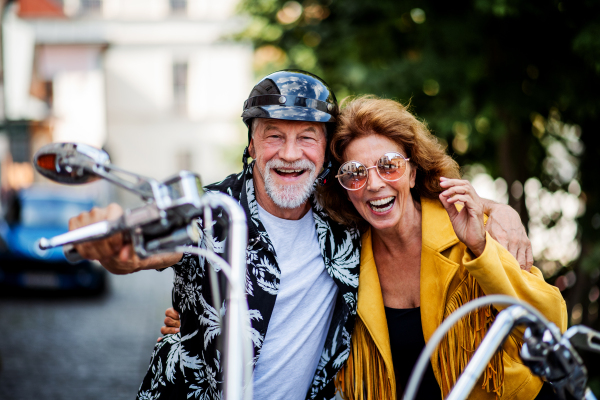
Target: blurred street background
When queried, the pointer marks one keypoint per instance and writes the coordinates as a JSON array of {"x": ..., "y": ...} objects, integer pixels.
[
  {"x": 510, "y": 86},
  {"x": 85, "y": 348}
]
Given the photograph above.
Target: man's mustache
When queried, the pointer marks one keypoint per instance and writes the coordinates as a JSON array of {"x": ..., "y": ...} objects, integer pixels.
[{"x": 298, "y": 164}]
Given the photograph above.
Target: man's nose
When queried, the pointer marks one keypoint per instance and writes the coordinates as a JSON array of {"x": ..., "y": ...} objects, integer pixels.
[
  {"x": 374, "y": 181},
  {"x": 290, "y": 151}
]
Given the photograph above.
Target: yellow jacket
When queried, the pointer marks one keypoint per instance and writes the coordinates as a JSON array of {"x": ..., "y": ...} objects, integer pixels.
[{"x": 445, "y": 265}]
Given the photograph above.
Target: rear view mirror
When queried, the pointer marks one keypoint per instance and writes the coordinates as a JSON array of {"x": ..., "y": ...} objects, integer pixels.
[{"x": 70, "y": 163}]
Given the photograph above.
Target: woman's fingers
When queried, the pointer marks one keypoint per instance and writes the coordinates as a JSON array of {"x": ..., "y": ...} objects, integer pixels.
[
  {"x": 165, "y": 330},
  {"x": 457, "y": 186},
  {"x": 172, "y": 323},
  {"x": 450, "y": 207},
  {"x": 466, "y": 199},
  {"x": 468, "y": 223},
  {"x": 171, "y": 313},
  {"x": 446, "y": 183}
]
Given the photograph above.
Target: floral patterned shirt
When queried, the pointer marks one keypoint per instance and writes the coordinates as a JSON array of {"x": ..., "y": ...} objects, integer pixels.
[{"x": 188, "y": 364}]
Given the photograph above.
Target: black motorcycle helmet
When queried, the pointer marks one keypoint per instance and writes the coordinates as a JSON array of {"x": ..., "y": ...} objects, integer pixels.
[{"x": 293, "y": 95}]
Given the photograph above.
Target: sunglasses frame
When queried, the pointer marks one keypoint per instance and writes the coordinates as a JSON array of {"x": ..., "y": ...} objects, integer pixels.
[{"x": 339, "y": 175}]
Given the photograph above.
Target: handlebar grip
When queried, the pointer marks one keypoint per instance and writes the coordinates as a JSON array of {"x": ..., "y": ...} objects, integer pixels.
[{"x": 71, "y": 254}]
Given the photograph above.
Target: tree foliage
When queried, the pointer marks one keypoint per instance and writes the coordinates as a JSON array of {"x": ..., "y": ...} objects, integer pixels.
[{"x": 507, "y": 84}]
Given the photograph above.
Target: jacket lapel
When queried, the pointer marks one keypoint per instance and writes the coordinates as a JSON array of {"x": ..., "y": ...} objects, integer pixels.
[
  {"x": 370, "y": 302},
  {"x": 437, "y": 271}
]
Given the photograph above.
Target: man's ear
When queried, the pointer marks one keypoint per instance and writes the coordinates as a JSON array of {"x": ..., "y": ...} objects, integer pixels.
[{"x": 251, "y": 149}]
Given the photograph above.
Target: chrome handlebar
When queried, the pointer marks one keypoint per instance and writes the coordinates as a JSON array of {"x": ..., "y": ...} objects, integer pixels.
[
  {"x": 545, "y": 351},
  {"x": 164, "y": 224}
]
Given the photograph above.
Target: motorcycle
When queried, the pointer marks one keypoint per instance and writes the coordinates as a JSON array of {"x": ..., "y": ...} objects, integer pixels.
[
  {"x": 548, "y": 354},
  {"x": 165, "y": 223}
]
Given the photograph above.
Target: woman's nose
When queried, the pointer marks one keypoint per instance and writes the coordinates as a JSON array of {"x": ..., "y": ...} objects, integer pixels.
[{"x": 374, "y": 181}]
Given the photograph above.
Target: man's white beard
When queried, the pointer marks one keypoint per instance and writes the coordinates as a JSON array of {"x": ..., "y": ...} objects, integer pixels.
[{"x": 289, "y": 196}]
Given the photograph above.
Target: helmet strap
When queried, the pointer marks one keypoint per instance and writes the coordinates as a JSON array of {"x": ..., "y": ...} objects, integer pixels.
[
  {"x": 245, "y": 157},
  {"x": 322, "y": 178}
]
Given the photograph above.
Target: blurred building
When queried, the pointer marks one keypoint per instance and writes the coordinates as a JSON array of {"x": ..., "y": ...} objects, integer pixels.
[{"x": 157, "y": 83}]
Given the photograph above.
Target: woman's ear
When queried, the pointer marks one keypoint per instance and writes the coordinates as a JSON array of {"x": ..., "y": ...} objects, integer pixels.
[{"x": 413, "y": 175}]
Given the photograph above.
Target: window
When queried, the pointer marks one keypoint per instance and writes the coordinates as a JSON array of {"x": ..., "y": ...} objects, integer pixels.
[
  {"x": 91, "y": 6},
  {"x": 178, "y": 6},
  {"x": 180, "y": 83}
]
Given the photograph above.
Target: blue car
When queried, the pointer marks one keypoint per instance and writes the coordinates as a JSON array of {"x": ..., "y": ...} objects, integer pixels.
[{"x": 44, "y": 212}]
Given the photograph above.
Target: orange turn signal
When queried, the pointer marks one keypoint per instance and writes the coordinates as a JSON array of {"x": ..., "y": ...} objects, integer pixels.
[{"x": 47, "y": 161}]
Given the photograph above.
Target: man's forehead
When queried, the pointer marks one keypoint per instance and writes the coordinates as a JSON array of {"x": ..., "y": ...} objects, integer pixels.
[{"x": 268, "y": 123}]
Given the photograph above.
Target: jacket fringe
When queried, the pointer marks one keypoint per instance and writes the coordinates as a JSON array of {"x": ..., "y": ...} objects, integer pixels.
[
  {"x": 364, "y": 376},
  {"x": 459, "y": 345}
]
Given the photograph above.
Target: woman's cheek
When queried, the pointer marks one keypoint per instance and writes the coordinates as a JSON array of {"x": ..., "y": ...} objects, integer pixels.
[{"x": 358, "y": 205}]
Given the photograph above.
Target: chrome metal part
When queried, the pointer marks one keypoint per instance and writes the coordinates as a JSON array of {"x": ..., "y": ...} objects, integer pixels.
[
  {"x": 91, "y": 232},
  {"x": 583, "y": 338},
  {"x": 548, "y": 354},
  {"x": 497, "y": 334},
  {"x": 164, "y": 224}
]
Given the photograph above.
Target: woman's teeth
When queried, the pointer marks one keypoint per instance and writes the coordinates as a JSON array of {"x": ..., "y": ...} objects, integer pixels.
[{"x": 382, "y": 205}]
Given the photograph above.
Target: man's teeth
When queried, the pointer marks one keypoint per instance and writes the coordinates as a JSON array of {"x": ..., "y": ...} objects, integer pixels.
[{"x": 289, "y": 171}]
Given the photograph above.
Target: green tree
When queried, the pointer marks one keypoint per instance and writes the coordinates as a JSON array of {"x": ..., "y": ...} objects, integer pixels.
[{"x": 512, "y": 85}]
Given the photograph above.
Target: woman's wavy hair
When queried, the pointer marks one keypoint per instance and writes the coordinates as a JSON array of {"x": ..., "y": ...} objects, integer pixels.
[{"x": 369, "y": 115}]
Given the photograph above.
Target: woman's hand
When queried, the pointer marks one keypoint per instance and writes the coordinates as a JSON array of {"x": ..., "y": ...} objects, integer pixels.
[
  {"x": 468, "y": 223},
  {"x": 172, "y": 323}
]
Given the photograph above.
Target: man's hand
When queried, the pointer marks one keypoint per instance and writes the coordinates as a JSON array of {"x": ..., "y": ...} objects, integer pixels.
[
  {"x": 172, "y": 323},
  {"x": 113, "y": 253},
  {"x": 504, "y": 225}
]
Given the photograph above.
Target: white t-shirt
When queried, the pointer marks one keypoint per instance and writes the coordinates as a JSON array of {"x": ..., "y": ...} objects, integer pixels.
[{"x": 302, "y": 313}]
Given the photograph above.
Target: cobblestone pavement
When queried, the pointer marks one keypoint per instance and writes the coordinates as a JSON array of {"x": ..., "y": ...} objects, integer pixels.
[{"x": 80, "y": 348}]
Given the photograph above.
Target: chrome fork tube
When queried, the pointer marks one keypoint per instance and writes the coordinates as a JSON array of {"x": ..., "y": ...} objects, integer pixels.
[
  {"x": 498, "y": 332},
  {"x": 238, "y": 346}
]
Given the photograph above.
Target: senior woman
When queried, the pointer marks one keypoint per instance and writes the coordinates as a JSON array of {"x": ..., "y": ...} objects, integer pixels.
[{"x": 422, "y": 258}]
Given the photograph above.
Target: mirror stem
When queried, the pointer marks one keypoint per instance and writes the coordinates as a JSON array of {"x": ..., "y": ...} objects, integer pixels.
[{"x": 142, "y": 187}]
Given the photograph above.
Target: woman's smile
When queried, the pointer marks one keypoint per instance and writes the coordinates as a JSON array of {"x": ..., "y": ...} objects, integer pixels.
[{"x": 382, "y": 205}]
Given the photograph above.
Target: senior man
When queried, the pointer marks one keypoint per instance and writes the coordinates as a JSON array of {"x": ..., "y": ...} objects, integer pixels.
[{"x": 302, "y": 268}]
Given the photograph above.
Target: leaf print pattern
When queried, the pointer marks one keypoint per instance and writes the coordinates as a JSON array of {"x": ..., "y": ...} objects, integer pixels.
[
  {"x": 343, "y": 356},
  {"x": 211, "y": 320},
  {"x": 267, "y": 276},
  {"x": 191, "y": 358},
  {"x": 257, "y": 338},
  {"x": 351, "y": 300}
]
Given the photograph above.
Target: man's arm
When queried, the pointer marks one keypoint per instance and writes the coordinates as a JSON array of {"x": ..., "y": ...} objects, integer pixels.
[
  {"x": 113, "y": 253},
  {"x": 504, "y": 224}
]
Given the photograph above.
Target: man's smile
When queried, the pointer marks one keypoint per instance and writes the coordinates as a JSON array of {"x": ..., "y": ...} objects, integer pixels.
[{"x": 289, "y": 173}]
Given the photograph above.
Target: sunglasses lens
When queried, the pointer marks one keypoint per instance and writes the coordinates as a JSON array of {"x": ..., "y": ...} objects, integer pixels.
[
  {"x": 391, "y": 166},
  {"x": 352, "y": 175}
]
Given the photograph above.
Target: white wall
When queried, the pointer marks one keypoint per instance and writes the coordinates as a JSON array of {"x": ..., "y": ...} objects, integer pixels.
[
  {"x": 138, "y": 83},
  {"x": 18, "y": 41},
  {"x": 141, "y": 41},
  {"x": 148, "y": 135},
  {"x": 79, "y": 113}
]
